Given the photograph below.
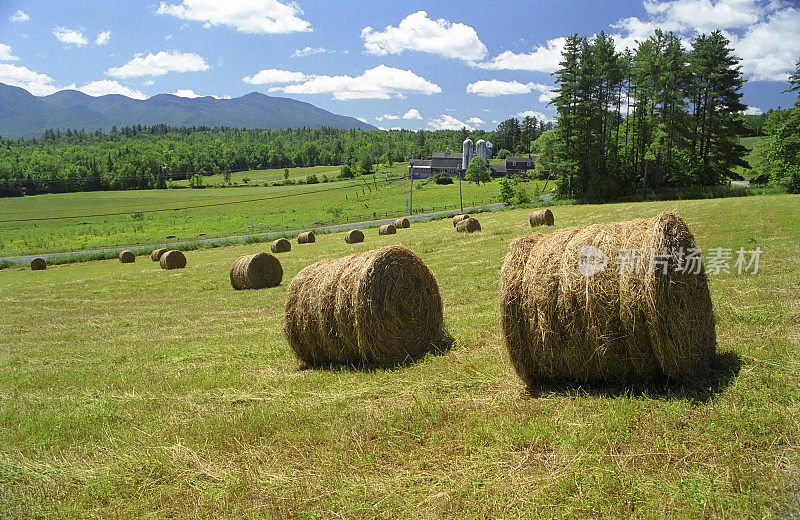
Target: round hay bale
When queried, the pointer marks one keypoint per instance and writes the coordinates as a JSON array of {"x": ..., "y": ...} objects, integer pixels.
[
  {"x": 576, "y": 305},
  {"x": 306, "y": 238},
  {"x": 459, "y": 218},
  {"x": 281, "y": 246},
  {"x": 127, "y": 256},
  {"x": 155, "y": 256},
  {"x": 38, "y": 264},
  {"x": 256, "y": 271},
  {"x": 354, "y": 236},
  {"x": 468, "y": 225},
  {"x": 543, "y": 217},
  {"x": 378, "y": 308},
  {"x": 173, "y": 260},
  {"x": 402, "y": 223},
  {"x": 387, "y": 229}
]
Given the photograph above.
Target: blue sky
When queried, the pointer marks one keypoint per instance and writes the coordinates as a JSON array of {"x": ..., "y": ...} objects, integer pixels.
[{"x": 391, "y": 63}]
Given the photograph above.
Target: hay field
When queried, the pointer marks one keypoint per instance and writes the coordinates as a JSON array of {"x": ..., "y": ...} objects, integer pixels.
[{"x": 127, "y": 391}]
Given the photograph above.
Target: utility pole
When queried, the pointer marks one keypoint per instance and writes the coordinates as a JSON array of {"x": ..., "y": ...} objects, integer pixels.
[
  {"x": 411, "y": 192},
  {"x": 460, "y": 195}
]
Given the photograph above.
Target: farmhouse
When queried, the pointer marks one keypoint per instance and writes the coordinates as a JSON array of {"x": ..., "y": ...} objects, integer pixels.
[{"x": 517, "y": 165}]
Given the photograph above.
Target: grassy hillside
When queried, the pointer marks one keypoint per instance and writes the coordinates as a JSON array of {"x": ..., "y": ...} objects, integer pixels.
[{"x": 128, "y": 391}]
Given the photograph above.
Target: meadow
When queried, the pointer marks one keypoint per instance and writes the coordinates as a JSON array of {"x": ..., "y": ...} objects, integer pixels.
[{"x": 131, "y": 392}]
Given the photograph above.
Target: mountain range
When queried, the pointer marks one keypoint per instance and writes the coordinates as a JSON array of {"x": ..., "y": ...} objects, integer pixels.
[{"x": 24, "y": 115}]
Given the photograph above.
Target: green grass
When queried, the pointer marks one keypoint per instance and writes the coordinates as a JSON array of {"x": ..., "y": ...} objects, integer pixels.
[{"x": 131, "y": 392}]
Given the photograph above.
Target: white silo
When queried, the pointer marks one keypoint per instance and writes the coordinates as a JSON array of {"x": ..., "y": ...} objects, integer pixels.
[
  {"x": 480, "y": 149},
  {"x": 467, "y": 153},
  {"x": 489, "y": 150}
]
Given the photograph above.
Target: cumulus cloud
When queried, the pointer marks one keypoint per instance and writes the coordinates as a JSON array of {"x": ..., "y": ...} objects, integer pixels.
[
  {"x": 417, "y": 32},
  {"x": 102, "y": 38},
  {"x": 390, "y": 117},
  {"x": 412, "y": 113},
  {"x": 310, "y": 51},
  {"x": 6, "y": 54},
  {"x": 34, "y": 82},
  {"x": 448, "y": 122},
  {"x": 769, "y": 49},
  {"x": 494, "y": 88},
  {"x": 247, "y": 16},
  {"x": 380, "y": 82},
  {"x": 752, "y": 111},
  {"x": 191, "y": 94},
  {"x": 70, "y": 36},
  {"x": 19, "y": 16},
  {"x": 159, "y": 64},
  {"x": 105, "y": 87},
  {"x": 476, "y": 120},
  {"x": 275, "y": 77},
  {"x": 538, "y": 115},
  {"x": 544, "y": 58}
]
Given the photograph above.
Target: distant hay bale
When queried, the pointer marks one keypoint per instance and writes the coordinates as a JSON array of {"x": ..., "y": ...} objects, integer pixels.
[
  {"x": 574, "y": 306},
  {"x": 377, "y": 308},
  {"x": 387, "y": 229},
  {"x": 38, "y": 264},
  {"x": 402, "y": 223},
  {"x": 306, "y": 238},
  {"x": 543, "y": 217},
  {"x": 127, "y": 256},
  {"x": 354, "y": 236},
  {"x": 155, "y": 256},
  {"x": 459, "y": 218},
  {"x": 256, "y": 271},
  {"x": 173, "y": 260},
  {"x": 281, "y": 246},
  {"x": 468, "y": 225}
]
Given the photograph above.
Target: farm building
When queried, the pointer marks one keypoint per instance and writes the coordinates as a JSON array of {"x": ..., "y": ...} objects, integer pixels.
[
  {"x": 453, "y": 164},
  {"x": 517, "y": 165}
]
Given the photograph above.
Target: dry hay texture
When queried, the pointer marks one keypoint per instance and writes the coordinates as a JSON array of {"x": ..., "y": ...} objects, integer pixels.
[
  {"x": 306, "y": 238},
  {"x": 543, "y": 217},
  {"x": 281, "y": 246},
  {"x": 459, "y": 218},
  {"x": 560, "y": 325},
  {"x": 155, "y": 256},
  {"x": 256, "y": 271},
  {"x": 354, "y": 236},
  {"x": 38, "y": 264},
  {"x": 173, "y": 260},
  {"x": 468, "y": 225},
  {"x": 387, "y": 229},
  {"x": 402, "y": 223},
  {"x": 378, "y": 308},
  {"x": 127, "y": 256}
]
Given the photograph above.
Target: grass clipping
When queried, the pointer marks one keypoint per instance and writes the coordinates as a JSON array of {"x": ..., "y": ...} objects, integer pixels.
[
  {"x": 256, "y": 271},
  {"x": 155, "y": 256},
  {"x": 38, "y": 264},
  {"x": 402, "y": 223},
  {"x": 354, "y": 236},
  {"x": 173, "y": 260},
  {"x": 280, "y": 246},
  {"x": 378, "y": 308},
  {"x": 543, "y": 217},
  {"x": 468, "y": 225},
  {"x": 306, "y": 238},
  {"x": 127, "y": 256},
  {"x": 616, "y": 325}
]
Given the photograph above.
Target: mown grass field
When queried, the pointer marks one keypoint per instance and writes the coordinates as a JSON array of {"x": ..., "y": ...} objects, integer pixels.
[
  {"x": 227, "y": 211},
  {"x": 131, "y": 392}
]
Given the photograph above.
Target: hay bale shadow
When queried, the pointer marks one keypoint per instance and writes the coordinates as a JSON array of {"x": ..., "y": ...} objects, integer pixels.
[{"x": 724, "y": 369}]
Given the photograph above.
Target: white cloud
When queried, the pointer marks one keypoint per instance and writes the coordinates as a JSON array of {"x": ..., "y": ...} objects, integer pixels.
[
  {"x": 769, "y": 49},
  {"x": 704, "y": 15},
  {"x": 417, "y": 32},
  {"x": 149, "y": 83},
  {"x": 310, "y": 51},
  {"x": 380, "y": 82},
  {"x": 19, "y": 16},
  {"x": 752, "y": 111},
  {"x": 159, "y": 64},
  {"x": 476, "y": 121},
  {"x": 275, "y": 77},
  {"x": 102, "y": 38},
  {"x": 448, "y": 122},
  {"x": 6, "y": 54},
  {"x": 541, "y": 59},
  {"x": 34, "y": 82},
  {"x": 413, "y": 113},
  {"x": 70, "y": 36},
  {"x": 494, "y": 88},
  {"x": 247, "y": 16},
  {"x": 104, "y": 87},
  {"x": 362, "y": 119},
  {"x": 191, "y": 94},
  {"x": 538, "y": 115},
  {"x": 390, "y": 117}
]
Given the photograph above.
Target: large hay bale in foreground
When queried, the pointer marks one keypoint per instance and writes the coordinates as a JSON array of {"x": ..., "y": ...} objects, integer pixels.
[
  {"x": 543, "y": 217},
  {"x": 306, "y": 238},
  {"x": 280, "y": 246},
  {"x": 256, "y": 271},
  {"x": 387, "y": 229},
  {"x": 173, "y": 260},
  {"x": 155, "y": 256},
  {"x": 127, "y": 256},
  {"x": 572, "y": 310},
  {"x": 459, "y": 218},
  {"x": 38, "y": 264},
  {"x": 402, "y": 223},
  {"x": 377, "y": 308},
  {"x": 468, "y": 225},
  {"x": 354, "y": 236}
]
